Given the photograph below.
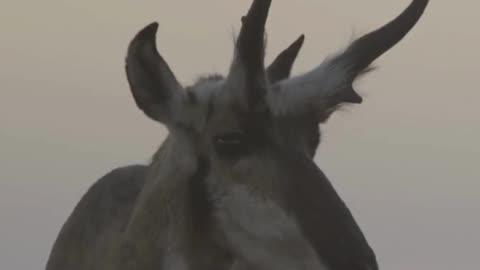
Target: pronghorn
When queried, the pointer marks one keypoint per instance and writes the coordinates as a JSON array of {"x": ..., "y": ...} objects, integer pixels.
[
  {"x": 104, "y": 210},
  {"x": 234, "y": 180}
]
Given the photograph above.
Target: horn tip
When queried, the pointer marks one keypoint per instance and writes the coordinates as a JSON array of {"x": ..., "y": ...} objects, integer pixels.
[
  {"x": 294, "y": 49},
  {"x": 153, "y": 26},
  {"x": 149, "y": 32},
  {"x": 300, "y": 40}
]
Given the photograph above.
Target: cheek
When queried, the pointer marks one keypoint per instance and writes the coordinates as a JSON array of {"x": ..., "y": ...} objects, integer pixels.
[
  {"x": 300, "y": 134},
  {"x": 254, "y": 171}
]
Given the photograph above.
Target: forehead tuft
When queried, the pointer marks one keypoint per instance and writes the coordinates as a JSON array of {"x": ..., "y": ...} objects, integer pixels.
[
  {"x": 209, "y": 78},
  {"x": 204, "y": 88}
]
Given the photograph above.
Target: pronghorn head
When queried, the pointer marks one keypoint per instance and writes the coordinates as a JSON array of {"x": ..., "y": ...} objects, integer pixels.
[
  {"x": 249, "y": 125},
  {"x": 296, "y": 105}
]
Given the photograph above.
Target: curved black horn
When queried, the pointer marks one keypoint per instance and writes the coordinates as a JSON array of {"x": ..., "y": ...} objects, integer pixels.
[
  {"x": 281, "y": 67},
  {"x": 362, "y": 52},
  {"x": 251, "y": 42},
  {"x": 250, "y": 49}
]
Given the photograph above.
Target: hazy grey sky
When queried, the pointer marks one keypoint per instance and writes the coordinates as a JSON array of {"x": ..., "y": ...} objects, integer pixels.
[{"x": 406, "y": 161}]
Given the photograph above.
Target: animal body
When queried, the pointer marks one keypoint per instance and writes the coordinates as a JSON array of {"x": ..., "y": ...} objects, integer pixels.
[{"x": 234, "y": 184}]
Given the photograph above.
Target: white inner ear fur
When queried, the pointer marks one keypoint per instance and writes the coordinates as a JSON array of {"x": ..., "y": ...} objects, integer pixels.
[{"x": 291, "y": 96}]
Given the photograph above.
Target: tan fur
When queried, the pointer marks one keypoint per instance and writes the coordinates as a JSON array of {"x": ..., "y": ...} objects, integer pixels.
[{"x": 213, "y": 200}]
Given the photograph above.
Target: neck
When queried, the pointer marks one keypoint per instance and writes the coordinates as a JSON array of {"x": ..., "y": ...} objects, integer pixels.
[
  {"x": 166, "y": 182},
  {"x": 162, "y": 214},
  {"x": 161, "y": 232}
]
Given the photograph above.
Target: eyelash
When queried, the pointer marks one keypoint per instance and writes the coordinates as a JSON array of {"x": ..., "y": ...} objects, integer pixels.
[{"x": 232, "y": 145}]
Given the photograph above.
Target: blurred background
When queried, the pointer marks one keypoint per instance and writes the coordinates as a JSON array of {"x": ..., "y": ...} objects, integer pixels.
[{"x": 406, "y": 161}]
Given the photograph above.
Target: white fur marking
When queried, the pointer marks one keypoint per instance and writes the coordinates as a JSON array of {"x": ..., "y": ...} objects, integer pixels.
[
  {"x": 263, "y": 233},
  {"x": 291, "y": 96},
  {"x": 175, "y": 261}
]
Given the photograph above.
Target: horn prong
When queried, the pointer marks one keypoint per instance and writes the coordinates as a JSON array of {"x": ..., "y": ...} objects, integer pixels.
[{"x": 281, "y": 67}]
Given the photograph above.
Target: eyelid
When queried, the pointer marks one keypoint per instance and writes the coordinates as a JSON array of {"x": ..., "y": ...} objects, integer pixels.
[
  {"x": 233, "y": 145},
  {"x": 232, "y": 137}
]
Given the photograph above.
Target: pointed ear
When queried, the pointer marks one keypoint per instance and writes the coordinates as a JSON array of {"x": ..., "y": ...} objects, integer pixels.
[
  {"x": 281, "y": 67},
  {"x": 154, "y": 86},
  {"x": 330, "y": 85}
]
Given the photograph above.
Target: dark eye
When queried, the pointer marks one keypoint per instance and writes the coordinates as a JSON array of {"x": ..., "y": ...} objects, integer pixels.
[{"x": 231, "y": 145}]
